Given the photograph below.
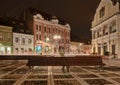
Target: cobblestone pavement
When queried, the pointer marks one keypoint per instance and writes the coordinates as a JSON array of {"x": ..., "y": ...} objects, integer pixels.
[{"x": 19, "y": 74}]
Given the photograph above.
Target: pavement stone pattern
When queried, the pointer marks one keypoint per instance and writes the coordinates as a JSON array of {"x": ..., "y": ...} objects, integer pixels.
[{"x": 19, "y": 74}]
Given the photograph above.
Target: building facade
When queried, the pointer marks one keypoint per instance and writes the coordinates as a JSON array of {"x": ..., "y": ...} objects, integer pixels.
[
  {"x": 22, "y": 43},
  {"x": 106, "y": 28},
  {"x": 49, "y": 35},
  {"x": 5, "y": 39},
  {"x": 23, "y": 40},
  {"x": 76, "y": 47},
  {"x": 79, "y": 48}
]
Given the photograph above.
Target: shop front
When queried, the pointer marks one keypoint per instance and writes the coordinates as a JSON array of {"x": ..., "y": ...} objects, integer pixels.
[{"x": 38, "y": 49}]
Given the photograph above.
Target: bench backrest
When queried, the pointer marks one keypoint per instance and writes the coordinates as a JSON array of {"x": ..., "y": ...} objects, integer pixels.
[
  {"x": 37, "y": 60},
  {"x": 60, "y": 61}
]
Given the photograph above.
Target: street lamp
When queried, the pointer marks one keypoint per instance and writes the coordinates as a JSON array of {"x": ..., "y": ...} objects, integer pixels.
[
  {"x": 47, "y": 39},
  {"x": 56, "y": 38}
]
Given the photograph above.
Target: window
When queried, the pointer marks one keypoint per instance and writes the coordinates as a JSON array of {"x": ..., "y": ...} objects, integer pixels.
[
  {"x": 36, "y": 36},
  {"x": 105, "y": 30},
  {"x": 99, "y": 48},
  {"x": 39, "y": 28},
  {"x": 99, "y": 33},
  {"x": 1, "y": 36},
  {"x": 113, "y": 48},
  {"x": 36, "y": 27},
  {"x": 93, "y": 35},
  {"x": 45, "y": 38},
  {"x": 56, "y": 30},
  {"x": 48, "y": 30},
  {"x": 39, "y": 37},
  {"x": 53, "y": 30},
  {"x": 44, "y": 29},
  {"x": 16, "y": 39},
  {"x": 59, "y": 31},
  {"x": 16, "y": 50},
  {"x": 29, "y": 41},
  {"x": 62, "y": 40},
  {"x": 102, "y": 12},
  {"x": 104, "y": 47},
  {"x": 22, "y": 50},
  {"x": 23, "y": 40},
  {"x": 9, "y": 38},
  {"x": 112, "y": 28}
]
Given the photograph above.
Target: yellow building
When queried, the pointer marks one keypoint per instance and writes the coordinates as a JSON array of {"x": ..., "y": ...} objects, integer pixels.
[{"x": 5, "y": 39}]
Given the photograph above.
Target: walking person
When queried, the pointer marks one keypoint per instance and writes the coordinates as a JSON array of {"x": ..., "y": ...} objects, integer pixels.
[{"x": 62, "y": 54}]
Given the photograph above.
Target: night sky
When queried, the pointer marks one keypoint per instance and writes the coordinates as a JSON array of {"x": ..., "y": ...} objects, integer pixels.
[{"x": 78, "y": 13}]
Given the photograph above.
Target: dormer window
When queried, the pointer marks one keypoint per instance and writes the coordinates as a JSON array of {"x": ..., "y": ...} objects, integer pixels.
[{"x": 102, "y": 12}]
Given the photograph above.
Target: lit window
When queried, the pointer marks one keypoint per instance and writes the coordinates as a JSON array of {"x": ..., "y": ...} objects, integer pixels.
[{"x": 1, "y": 37}]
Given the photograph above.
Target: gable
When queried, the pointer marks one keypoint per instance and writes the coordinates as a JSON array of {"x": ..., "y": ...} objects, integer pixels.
[{"x": 105, "y": 10}]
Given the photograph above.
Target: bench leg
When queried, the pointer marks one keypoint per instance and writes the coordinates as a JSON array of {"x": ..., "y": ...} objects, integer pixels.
[
  {"x": 63, "y": 69},
  {"x": 101, "y": 68},
  {"x": 30, "y": 68},
  {"x": 68, "y": 68}
]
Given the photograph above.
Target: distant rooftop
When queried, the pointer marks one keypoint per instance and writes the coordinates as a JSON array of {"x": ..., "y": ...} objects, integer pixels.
[{"x": 19, "y": 26}]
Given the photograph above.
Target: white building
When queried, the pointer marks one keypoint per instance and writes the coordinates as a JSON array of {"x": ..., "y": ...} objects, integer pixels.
[
  {"x": 23, "y": 40},
  {"x": 106, "y": 28},
  {"x": 22, "y": 43}
]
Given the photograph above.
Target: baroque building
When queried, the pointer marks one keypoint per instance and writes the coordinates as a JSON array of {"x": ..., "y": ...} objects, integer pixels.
[
  {"x": 51, "y": 34},
  {"x": 106, "y": 28}
]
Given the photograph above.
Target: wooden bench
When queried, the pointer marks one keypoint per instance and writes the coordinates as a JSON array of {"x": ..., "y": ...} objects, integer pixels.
[
  {"x": 37, "y": 60},
  {"x": 66, "y": 61}
]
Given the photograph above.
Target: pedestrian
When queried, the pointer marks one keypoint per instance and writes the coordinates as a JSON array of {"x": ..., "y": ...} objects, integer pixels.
[{"x": 62, "y": 54}]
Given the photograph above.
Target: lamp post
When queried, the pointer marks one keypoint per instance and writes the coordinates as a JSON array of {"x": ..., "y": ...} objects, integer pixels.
[{"x": 56, "y": 38}]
